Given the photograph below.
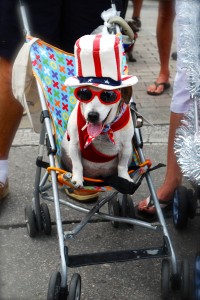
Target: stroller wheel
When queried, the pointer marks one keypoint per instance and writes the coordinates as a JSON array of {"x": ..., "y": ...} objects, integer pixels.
[
  {"x": 54, "y": 286},
  {"x": 46, "y": 219},
  {"x": 114, "y": 210},
  {"x": 180, "y": 207},
  {"x": 75, "y": 287},
  {"x": 185, "y": 276},
  {"x": 192, "y": 201},
  {"x": 165, "y": 279},
  {"x": 128, "y": 206},
  {"x": 197, "y": 276},
  {"x": 121, "y": 206},
  {"x": 30, "y": 221}
]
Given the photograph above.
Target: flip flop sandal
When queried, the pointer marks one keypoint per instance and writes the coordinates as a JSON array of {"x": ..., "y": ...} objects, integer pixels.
[
  {"x": 166, "y": 85},
  {"x": 144, "y": 216},
  {"x": 166, "y": 206}
]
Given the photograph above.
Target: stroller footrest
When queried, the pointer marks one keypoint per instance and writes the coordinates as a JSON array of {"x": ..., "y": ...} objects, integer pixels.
[{"x": 115, "y": 256}]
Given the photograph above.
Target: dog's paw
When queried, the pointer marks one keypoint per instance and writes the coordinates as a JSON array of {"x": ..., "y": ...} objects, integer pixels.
[
  {"x": 129, "y": 178},
  {"x": 125, "y": 175},
  {"x": 78, "y": 182}
]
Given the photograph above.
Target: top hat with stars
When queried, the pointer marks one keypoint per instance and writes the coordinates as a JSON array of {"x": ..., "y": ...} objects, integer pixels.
[{"x": 98, "y": 61}]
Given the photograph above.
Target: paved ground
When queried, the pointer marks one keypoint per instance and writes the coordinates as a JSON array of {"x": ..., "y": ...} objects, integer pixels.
[{"x": 26, "y": 264}]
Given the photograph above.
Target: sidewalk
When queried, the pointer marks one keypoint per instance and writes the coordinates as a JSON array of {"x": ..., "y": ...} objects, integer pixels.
[{"x": 26, "y": 264}]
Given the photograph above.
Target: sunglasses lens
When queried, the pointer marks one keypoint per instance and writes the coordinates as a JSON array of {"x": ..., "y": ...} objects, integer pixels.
[
  {"x": 84, "y": 94},
  {"x": 108, "y": 96}
]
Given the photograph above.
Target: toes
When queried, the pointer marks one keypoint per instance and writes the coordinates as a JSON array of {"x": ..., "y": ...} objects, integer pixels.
[
  {"x": 142, "y": 204},
  {"x": 151, "y": 88}
]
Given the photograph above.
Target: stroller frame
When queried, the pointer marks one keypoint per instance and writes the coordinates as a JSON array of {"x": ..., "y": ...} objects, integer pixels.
[
  {"x": 38, "y": 218},
  {"x": 41, "y": 188}
]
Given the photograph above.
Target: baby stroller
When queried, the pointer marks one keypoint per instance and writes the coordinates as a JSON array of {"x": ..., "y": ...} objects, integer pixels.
[{"x": 54, "y": 111}]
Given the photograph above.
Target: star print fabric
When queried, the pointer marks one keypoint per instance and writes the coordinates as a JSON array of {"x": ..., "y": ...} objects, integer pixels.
[{"x": 51, "y": 66}]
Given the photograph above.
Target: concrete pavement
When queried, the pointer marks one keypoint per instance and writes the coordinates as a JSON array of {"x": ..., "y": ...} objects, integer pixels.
[{"x": 26, "y": 264}]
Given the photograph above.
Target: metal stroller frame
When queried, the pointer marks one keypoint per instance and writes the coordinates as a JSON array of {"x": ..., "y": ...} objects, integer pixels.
[{"x": 38, "y": 220}]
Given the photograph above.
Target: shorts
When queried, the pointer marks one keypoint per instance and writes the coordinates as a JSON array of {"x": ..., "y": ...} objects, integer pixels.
[
  {"x": 57, "y": 22},
  {"x": 181, "y": 97}
]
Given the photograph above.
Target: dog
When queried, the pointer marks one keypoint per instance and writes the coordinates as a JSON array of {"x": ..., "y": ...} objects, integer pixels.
[
  {"x": 117, "y": 151},
  {"x": 98, "y": 139}
]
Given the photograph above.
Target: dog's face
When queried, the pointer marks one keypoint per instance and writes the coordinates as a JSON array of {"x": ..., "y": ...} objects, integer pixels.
[{"x": 96, "y": 111}]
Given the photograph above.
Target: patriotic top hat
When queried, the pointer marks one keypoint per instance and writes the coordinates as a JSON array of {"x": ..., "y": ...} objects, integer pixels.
[{"x": 98, "y": 61}]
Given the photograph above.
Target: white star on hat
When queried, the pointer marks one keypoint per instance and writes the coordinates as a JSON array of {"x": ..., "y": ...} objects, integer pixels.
[{"x": 107, "y": 81}]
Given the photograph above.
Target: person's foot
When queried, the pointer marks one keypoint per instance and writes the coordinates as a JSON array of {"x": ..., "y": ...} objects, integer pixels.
[
  {"x": 134, "y": 28},
  {"x": 164, "y": 194},
  {"x": 137, "y": 22},
  {"x": 159, "y": 86},
  {"x": 146, "y": 206},
  {"x": 4, "y": 190}
]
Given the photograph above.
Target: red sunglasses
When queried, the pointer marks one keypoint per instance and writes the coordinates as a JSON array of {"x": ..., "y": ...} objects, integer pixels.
[{"x": 85, "y": 95}]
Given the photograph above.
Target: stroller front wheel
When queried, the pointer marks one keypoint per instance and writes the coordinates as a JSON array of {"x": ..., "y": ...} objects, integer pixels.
[
  {"x": 75, "y": 287},
  {"x": 165, "y": 279},
  {"x": 54, "y": 286},
  {"x": 46, "y": 219},
  {"x": 30, "y": 220},
  {"x": 180, "y": 207},
  {"x": 184, "y": 279},
  {"x": 197, "y": 276},
  {"x": 114, "y": 210}
]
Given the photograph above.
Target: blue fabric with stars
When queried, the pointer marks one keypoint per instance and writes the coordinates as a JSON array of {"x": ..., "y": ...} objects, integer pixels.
[{"x": 51, "y": 66}]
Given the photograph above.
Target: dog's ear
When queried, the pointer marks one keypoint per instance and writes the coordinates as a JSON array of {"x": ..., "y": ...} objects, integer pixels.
[{"x": 126, "y": 93}]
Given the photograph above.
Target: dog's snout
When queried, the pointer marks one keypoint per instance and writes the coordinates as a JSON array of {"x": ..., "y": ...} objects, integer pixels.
[{"x": 93, "y": 117}]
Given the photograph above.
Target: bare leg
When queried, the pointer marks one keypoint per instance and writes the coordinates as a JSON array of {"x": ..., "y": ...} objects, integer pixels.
[
  {"x": 137, "y": 4},
  {"x": 173, "y": 174},
  {"x": 166, "y": 14},
  {"x": 10, "y": 110}
]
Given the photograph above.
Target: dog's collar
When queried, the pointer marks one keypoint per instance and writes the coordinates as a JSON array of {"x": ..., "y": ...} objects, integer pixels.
[{"x": 88, "y": 150}]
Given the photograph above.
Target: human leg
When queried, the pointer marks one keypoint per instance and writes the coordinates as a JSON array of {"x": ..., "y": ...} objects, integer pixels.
[
  {"x": 10, "y": 116},
  {"x": 164, "y": 30},
  {"x": 10, "y": 109},
  {"x": 135, "y": 23},
  {"x": 173, "y": 174},
  {"x": 137, "y": 5}
]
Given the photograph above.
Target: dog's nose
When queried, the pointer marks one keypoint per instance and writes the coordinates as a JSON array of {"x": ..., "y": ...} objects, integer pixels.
[{"x": 93, "y": 117}]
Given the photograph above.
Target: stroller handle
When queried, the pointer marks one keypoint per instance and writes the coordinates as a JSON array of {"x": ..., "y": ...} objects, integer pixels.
[
  {"x": 124, "y": 25},
  {"x": 24, "y": 18}
]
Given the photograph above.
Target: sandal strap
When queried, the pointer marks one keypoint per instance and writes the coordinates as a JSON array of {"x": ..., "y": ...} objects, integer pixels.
[{"x": 162, "y": 203}]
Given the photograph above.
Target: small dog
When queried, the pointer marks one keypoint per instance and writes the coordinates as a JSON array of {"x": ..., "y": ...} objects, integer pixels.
[
  {"x": 116, "y": 149},
  {"x": 98, "y": 140}
]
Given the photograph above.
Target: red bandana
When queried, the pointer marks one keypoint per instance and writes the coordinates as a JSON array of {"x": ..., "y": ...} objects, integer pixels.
[{"x": 91, "y": 153}]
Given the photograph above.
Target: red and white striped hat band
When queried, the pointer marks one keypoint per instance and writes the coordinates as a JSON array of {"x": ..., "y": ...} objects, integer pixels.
[{"x": 98, "y": 61}]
